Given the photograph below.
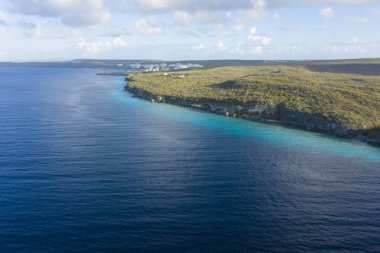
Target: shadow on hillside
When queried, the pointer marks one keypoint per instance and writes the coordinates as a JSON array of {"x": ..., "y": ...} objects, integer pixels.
[{"x": 374, "y": 136}]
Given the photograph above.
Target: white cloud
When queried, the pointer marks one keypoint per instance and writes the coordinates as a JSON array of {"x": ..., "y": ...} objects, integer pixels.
[
  {"x": 256, "y": 39},
  {"x": 221, "y": 46},
  {"x": 258, "y": 9},
  {"x": 93, "y": 47},
  {"x": 97, "y": 46},
  {"x": 148, "y": 26},
  {"x": 69, "y": 12},
  {"x": 119, "y": 42},
  {"x": 221, "y": 26},
  {"x": 354, "y": 41},
  {"x": 327, "y": 12},
  {"x": 238, "y": 49},
  {"x": 254, "y": 44},
  {"x": 257, "y": 50},
  {"x": 344, "y": 48}
]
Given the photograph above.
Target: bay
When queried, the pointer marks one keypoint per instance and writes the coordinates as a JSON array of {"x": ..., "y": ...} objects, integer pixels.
[{"x": 86, "y": 167}]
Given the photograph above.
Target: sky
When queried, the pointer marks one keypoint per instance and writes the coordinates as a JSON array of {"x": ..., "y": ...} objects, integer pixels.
[{"x": 55, "y": 30}]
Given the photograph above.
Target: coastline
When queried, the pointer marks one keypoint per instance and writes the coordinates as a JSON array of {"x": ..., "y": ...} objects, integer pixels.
[{"x": 265, "y": 113}]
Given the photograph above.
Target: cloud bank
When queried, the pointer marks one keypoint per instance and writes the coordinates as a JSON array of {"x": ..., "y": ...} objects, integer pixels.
[{"x": 190, "y": 28}]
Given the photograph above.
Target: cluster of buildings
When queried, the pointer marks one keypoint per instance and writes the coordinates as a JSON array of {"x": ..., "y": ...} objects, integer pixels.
[{"x": 162, "y": 66}]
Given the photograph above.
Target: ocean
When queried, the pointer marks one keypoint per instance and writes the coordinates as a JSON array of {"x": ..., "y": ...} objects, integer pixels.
[{"x": 86, "y": 167}]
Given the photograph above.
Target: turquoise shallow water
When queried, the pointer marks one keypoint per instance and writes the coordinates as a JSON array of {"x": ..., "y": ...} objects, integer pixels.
[
  {"x": 267, "y": 133},
  {"x": 84, "y": 167}
]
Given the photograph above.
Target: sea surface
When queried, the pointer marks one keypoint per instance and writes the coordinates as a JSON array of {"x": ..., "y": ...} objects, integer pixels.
[{"x": 85, "y": 167}]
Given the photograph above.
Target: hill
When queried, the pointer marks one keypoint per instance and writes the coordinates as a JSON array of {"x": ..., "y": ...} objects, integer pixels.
[{"x": 343, "y": 104}]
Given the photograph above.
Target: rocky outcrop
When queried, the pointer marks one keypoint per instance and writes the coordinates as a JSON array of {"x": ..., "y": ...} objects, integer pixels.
[
  {"x": 127, "y": 79},
  {"x": 264, "y": 112},
  {"x": 374, "y": 136}
]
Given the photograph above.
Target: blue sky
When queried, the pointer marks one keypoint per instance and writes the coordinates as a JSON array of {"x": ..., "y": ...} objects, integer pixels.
[{"x": 48, "y": 30}]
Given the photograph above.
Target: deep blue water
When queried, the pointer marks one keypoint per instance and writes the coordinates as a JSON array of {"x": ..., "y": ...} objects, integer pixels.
[{"x": 86, "y": 167}]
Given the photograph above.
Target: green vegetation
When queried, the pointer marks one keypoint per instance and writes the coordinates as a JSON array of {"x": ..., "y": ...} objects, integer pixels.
[{"x": 349, "y": 99}]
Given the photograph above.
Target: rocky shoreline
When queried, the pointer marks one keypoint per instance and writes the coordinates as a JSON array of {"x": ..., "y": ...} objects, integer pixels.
[{"x": 264, "y": 112}]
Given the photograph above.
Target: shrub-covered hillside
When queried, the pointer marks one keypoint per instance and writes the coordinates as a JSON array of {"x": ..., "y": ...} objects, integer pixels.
[{"x": 352, "y": 100}]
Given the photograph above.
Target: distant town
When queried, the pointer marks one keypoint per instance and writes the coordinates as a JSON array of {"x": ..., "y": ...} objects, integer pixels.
[{"x": 160, "y": 66}]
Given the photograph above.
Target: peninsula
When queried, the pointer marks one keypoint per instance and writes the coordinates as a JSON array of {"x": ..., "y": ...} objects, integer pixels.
[{"x": 343, "y": 104}]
